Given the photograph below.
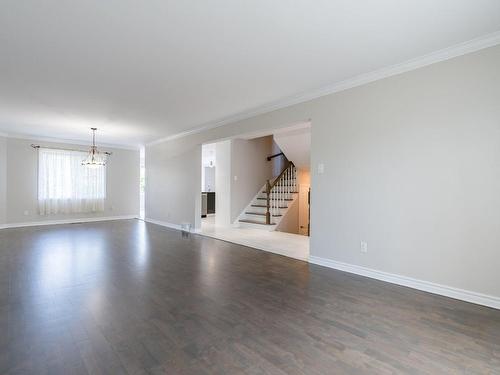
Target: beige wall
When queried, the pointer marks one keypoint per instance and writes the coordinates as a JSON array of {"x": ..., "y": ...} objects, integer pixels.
[
  {"x": 412, "y": 166},
  {"x": 122, "y": 183},
  {"x": 298, "y": 213},
  {"x": 173, "y": 182},
  {"x": 303, "y": 189},
  {"x": 290, "y": 222},
  {"x": 251, "y": 168}
]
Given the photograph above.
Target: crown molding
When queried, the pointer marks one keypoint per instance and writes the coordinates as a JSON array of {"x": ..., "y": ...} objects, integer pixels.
[
  {"x": 485, "y": 41},
  {"x": 67, "y": 141}
]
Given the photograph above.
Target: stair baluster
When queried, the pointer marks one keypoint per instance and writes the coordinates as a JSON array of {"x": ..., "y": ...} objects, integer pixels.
[{"x": 280, "y": 191}]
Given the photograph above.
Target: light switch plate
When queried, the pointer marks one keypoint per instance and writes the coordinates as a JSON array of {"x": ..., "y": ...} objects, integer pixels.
[{"x": 321, "y": 168}]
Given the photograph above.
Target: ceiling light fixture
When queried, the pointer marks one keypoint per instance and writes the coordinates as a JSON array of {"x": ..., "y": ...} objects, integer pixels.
[{"x": 94, "y": 157}]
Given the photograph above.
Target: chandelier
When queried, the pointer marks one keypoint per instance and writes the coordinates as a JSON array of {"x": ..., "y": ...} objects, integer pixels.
[{"x": 94, "y": 157}]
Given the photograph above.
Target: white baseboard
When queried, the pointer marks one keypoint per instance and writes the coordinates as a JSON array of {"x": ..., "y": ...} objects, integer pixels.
[
  {"x": 169, "y": 225},
  {"x": 426, "y": 286},
  {"x": 66, "y": 221},
  {"x": 162, "y": 223}
]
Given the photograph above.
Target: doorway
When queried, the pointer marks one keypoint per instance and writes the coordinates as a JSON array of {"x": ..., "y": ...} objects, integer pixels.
[
  {"x": 243, "y": 166},
  {"x": 208, "y": 182}
]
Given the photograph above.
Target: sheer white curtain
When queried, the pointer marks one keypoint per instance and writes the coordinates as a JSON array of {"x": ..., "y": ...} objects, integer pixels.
[{"x": 66, "y": 186}]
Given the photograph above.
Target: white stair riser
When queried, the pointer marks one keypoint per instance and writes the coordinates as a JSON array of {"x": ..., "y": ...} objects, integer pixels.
[
  {"x": 262, "y": 219},
  {"x": 262, "y": 210}
]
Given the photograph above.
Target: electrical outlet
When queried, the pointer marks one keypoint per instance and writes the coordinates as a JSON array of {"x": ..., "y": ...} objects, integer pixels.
[
  {"x": 26, "y": 213},
  {"x": 363, "y": 247}
]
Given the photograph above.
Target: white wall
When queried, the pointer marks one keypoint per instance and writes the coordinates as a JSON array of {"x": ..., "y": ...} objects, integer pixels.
[
  {"x": 3, "y": 180},
  {"x": 173, "y": 183},
  {"x": 296, "y": 145},
  {"x": 223, "y": 183},
  {"x": 412, "y": 166},
  {"x": 209, "y": 179},
  {"x": 122, "y": 183},
  {"x": 208, "y": 161}
]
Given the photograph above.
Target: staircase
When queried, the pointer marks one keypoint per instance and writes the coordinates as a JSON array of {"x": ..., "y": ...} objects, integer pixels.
[{"x": 271, "y": 203}]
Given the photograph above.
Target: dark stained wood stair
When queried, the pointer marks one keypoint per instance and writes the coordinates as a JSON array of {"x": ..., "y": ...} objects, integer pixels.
[
  {"x": 261, "y": 214},
  {"x": 285, "y": 199},
  {"x": 264, "y": 206}
]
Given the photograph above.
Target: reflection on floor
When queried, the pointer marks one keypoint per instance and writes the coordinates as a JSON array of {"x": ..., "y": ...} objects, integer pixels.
[{"x": 287, "y": 244}]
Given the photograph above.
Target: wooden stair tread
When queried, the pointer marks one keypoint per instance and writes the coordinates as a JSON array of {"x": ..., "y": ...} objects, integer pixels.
[
  {"x": 291, "y": 192},
  {"x": 260, "y": 214},
  {"x": 263, "y": 205},
  {"x": 286, "y": 199},
  {"x": 253, "y": 222}
]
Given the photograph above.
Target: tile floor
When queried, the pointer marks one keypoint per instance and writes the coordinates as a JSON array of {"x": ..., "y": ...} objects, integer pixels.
[{"x": 287, "y": 244}]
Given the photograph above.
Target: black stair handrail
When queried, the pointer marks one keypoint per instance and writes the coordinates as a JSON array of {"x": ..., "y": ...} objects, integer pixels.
[{"x": 275, "y": 156}]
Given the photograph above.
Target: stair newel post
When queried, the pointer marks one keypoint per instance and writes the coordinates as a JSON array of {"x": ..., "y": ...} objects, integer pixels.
[{"x": 268, "y": 203}]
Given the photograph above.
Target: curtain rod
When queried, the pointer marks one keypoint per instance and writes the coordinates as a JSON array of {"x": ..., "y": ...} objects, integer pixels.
[{"x": 66, "y": 149}]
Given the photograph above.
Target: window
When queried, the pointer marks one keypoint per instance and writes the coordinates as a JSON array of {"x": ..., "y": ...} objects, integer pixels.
[{"x": 66, "y": 186}]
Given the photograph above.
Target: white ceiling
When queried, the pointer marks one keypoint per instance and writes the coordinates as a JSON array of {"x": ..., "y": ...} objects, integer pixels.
[{"x": 143, "y": 70}]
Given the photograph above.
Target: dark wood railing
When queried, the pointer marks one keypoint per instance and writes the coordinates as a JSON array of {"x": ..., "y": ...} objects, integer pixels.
[{"x": 275, "y": 156}]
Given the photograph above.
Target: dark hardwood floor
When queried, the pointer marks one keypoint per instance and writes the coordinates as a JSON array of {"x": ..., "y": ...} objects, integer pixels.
[{"x": 129, "y": 297}]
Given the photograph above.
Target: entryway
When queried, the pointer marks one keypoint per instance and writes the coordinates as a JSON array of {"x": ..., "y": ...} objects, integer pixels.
[{"x": 261, "y": 187}]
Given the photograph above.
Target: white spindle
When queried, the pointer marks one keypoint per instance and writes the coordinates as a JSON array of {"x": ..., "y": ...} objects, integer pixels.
[
  {"x": 274, "y": 202},
  {"x": 275, "y": 196},
  {"x": 296, "y": 185},
  {"x": 282, "y": 189},
  {"x": 288, "y": 181}
]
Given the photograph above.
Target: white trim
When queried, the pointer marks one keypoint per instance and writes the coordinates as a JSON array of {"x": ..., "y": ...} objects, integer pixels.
[
  {"x": 457, "y": 50},
  {"x": 66, "y": 221},
  {"x": 162, "y": 223},
  {"x": 170, "y": 225},
  {"x": 426, "y": 286}
]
